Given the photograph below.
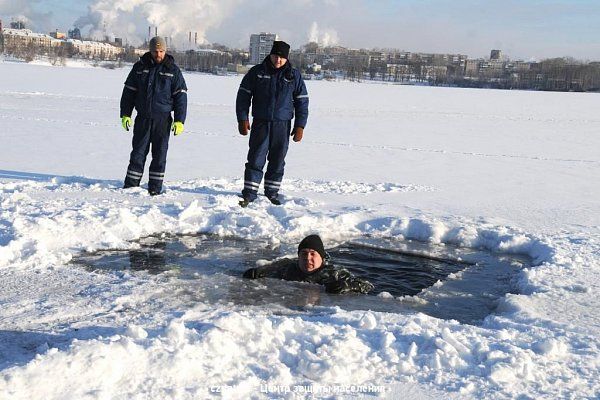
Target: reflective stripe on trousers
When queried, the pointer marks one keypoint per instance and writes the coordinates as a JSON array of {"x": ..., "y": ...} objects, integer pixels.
[
  {"x": 269, "y": 141},
  {"x": 149, "y": 133}
]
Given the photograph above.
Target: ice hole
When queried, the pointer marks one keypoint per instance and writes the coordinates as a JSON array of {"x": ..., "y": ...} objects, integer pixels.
[{"x": 442, "y": 281}]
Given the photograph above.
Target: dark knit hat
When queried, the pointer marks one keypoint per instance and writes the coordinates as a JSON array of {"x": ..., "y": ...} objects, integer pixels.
[
  {"x": 281, "y": 48},
  {"x": 158, "y": 43},
  {"x": 313, "y": 242}
]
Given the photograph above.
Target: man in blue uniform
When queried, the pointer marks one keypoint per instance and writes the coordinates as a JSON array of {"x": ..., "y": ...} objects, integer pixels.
[
  {"x": 155, "y": 87},
  {"x": 277, "y": 92}
]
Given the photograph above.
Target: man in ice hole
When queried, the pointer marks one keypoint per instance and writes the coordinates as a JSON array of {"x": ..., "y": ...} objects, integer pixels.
[{"x": 313, "y": 266}]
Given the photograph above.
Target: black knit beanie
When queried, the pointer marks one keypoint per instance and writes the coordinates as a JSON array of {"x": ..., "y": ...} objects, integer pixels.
[
  {"x": 313, "y": 242},
  {"x": 281, "y": 48}
]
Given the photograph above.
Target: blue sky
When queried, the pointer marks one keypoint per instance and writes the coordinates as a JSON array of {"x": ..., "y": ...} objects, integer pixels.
[{"x": 526, "y": 29}]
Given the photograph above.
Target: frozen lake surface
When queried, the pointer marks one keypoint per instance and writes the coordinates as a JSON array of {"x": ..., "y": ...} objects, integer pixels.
[{"x": 506, "y": 180}]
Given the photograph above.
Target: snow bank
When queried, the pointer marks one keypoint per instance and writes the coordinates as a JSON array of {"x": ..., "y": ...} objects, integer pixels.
[
  {"x": 336, "y": 349},
  {"x": 49, "y": 222},
  {"x": 46, "y": 233}
]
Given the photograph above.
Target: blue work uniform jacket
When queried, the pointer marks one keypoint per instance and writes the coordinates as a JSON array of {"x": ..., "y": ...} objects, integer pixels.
[
  {"x": 155, "y": 89},
  {"x": 275, "y": 94}
]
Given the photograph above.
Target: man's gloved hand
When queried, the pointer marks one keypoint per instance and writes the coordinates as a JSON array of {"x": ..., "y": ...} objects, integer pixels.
[
  {"x": 357, "y": 285},
  {"x": 126, "y": 122},
  {"x": 297, "y": 133},
  {"x": 337, "y": 287},
  {"x": 243, "y": 127},
  {"x": 362, "y": 286},
  {"x": 253, "y": 273},
  {"x": 177, "y": 128}
]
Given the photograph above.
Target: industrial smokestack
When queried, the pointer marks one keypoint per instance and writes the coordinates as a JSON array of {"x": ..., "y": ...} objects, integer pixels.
[
  {"x": 149, "y": 32},
  {"x": 196, "y": 38},
  {"x": 190, "y": 39},
  {"x": 156, "y": 31}
]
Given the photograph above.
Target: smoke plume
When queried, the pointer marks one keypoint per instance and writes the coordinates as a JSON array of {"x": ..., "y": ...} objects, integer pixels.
[
  {"x": 130, "y": 19},
  {"x": 23, "y": 10},
  {"x": 324, "y": 37}
]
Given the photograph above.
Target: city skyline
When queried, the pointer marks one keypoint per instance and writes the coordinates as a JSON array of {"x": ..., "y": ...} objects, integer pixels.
[{"x": 522, "y": 29}]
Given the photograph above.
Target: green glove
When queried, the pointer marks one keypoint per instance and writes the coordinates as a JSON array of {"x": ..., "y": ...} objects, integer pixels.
[
  {"x": 177, "y": 128},
  {"x": 126, "y": 122}
]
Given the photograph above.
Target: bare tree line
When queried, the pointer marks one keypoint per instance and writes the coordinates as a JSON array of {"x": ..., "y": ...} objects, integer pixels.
[{"x": 557, "y": 74}]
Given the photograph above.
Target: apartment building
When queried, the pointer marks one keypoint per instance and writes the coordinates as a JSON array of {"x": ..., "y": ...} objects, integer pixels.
[{"x": 260, "y": 46}]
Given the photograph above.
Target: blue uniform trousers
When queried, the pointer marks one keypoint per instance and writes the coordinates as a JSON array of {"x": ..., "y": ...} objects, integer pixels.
[
  {"x": 269, "y": 141},
  {"x": 149, "y": 132}
]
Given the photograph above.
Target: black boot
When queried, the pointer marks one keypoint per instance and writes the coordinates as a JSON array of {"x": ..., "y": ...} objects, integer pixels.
[
  {"x": 244, "y": 202},
  {"x": 129, "y": 184},
  {"x": 274, "y": 200}
]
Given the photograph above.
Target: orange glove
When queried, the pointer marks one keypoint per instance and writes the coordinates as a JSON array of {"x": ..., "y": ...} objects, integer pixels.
[
  {"x": 243, "y": 127},
  {"x": 297, "y": 133}
]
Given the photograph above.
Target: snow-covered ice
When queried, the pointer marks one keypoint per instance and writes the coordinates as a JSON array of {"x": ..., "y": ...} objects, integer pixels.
[{"x": 500, "y": 171}]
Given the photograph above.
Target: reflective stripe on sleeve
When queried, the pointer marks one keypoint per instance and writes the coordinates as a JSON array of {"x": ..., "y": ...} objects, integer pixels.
[
  {"x": 245, "y": 90},
  {"x": 131, "y": 88}
]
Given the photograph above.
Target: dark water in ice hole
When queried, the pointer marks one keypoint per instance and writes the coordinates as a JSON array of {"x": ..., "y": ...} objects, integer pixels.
[{"x": 469, "y": 282}]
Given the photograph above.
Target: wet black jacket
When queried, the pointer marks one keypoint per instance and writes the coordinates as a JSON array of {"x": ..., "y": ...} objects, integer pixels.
[
  {"x": 335, "y": 280},
  {"x": 155, "y": 89},
  {"x": 275, "y": 94}
]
